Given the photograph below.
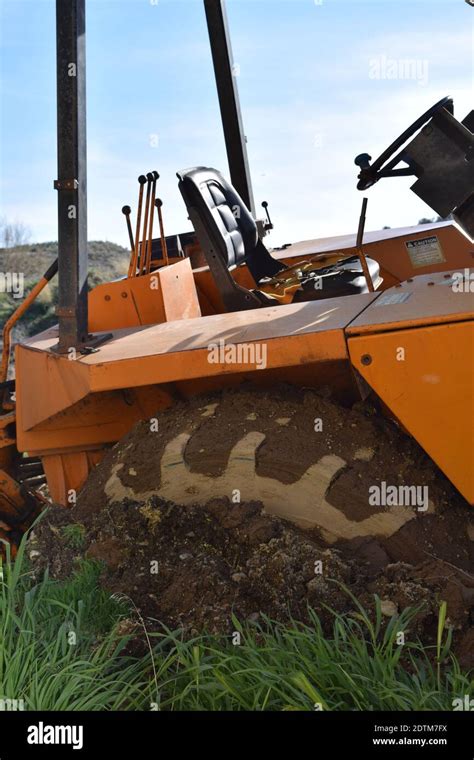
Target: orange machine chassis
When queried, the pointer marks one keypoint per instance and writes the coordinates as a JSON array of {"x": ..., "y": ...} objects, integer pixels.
[{"x": 411, "y": 342}]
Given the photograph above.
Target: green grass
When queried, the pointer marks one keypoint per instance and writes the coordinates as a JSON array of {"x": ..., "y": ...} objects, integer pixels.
[
  {"x": 61, "y": 648},
  {"x": 297, "y": 668},
  {"x": 75, "y": 534},
  {"x": 58, "y": 646}
]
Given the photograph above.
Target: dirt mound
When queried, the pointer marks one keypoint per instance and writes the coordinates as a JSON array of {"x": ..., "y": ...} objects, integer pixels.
[
  {"x": 179, "y": 514},
  {"x": 195, "y": 567}
]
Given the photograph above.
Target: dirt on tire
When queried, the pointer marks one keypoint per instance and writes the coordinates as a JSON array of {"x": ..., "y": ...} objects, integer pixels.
[{"x": 178, "y": 512}]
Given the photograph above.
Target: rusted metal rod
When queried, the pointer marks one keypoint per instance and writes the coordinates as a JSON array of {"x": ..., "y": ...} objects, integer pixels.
[
  {"x": 360, "y": 252},
  {"x": 147, "y": 266},
  {"x": 132, "y": 270},
  {"x": 13, "y": 319},
  {"x": 164, "y": 247},
  {"x": 142, "y": 246},
  {"x": 126, "y": 211}
]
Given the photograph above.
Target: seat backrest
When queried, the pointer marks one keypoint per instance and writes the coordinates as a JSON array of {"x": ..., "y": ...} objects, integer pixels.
[
  {"x": 225, "y": 229},
  {"x": 222, "y": 210}
]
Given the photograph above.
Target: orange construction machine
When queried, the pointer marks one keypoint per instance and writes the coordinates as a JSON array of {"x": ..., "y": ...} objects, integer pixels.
[{"x": 388, "y": 313}]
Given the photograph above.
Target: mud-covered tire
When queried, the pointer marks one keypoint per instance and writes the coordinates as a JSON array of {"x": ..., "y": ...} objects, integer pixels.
[{"x": 305, "y": 458}]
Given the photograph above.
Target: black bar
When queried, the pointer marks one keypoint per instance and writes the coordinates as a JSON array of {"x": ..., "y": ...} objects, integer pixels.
[
  {"x": 51, "y": 271},
  {"x": 360, "y": 231},
  {"x": 415, "y": 735},
  {"x": 72, "y": 175},
  {"x": 227, "y": 91}
]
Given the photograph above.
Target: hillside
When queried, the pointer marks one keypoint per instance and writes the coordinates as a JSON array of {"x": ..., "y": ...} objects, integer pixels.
[{"x": 107, "y": 261}]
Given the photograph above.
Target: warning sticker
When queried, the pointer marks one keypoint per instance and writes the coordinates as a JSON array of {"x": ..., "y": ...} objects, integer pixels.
[
  {"x": 388, "y": 299},
  {"x": 425, "y": 251}
]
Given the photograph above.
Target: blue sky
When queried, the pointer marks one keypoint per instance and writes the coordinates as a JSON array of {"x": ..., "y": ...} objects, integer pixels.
[{"x": 316, "y": 88}]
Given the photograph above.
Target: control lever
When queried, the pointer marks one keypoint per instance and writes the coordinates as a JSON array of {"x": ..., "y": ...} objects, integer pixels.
[
  {"x": 164, "y": 247},
  {"x": 126, "y": 211},
  {"x": 359, "y": 241},
  {"x": 268, "y": 224},
  {"x": 132, "y": 270}
]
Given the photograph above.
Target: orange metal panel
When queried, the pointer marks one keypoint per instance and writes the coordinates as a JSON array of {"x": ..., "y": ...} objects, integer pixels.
[
  {"x": 182, "y": 336},
  {"x": 46, "y": 383},
  {"x": 388, "y": 247},
  {"x": 164, "y": 295},
  {"x": 97, "y": 398},
  {"x": 172, "y": 367},
  {"x": 95, "y": 420},
  {"x": 424, "y": 300},
  {"x": 67, "y": 473},
  {"x": 111, "y": 305},
  {"x": 109, "y": 408},
  {"x": 180, "y": 298},
  {"x": 426, "y": 378}
]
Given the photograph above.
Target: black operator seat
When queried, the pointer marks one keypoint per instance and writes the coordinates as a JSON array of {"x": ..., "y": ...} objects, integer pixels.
[{"x": 228, "y": 236}]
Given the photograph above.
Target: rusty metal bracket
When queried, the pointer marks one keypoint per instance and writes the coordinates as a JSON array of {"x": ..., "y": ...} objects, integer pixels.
[
  {"x": 88, "y": 346},
  {"x": 66, "y": 184}
]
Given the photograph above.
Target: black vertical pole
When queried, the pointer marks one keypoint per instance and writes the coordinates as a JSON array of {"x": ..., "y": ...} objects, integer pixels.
[
  {"x": 72, "y": 173},
  {"x": 229, "y": 100}
]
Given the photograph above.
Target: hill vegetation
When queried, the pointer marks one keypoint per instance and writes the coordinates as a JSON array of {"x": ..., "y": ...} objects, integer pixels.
[{"x": 107, "y": 261}]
